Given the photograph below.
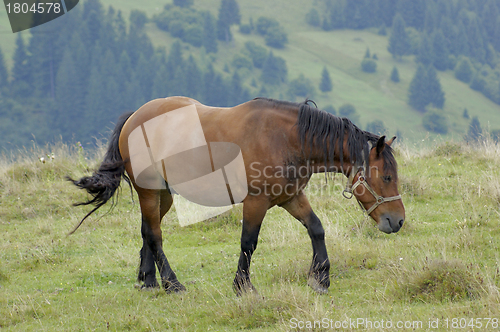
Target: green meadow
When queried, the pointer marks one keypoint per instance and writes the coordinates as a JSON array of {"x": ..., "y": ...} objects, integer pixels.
[
  {"x": 442, "y": 267},
  {"x": 443, "y": 264}
]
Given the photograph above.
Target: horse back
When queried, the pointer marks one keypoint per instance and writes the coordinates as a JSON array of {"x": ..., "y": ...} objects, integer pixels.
[{"x": 265, "y": 135}]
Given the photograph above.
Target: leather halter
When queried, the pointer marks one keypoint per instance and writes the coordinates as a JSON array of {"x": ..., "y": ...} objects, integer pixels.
[{"x": 349, "y": 189}]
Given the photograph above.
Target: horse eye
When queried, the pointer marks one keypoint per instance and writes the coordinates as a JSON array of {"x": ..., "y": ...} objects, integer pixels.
[{"x": 387, "y": 178}]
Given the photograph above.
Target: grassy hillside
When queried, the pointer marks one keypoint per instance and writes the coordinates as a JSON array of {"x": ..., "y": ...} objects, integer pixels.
[
  {"x": 444, "y": 263},
  {"x": 309, "y": 49}
]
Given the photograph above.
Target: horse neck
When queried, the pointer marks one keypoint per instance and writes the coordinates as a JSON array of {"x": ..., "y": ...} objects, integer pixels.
[{"x": 319, "y": 162}]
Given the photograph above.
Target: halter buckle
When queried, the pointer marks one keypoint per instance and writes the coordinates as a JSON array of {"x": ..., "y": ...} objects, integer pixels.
[{"x": 347, "y": 191}]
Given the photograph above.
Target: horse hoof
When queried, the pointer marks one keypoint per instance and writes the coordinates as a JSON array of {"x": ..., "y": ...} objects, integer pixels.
[
  {"x": 174, "y": 287},
  {"x": 244, "y": 287},
  {"x": 145, "y": 287},
  {"x": 317, "y": 286},
  {"x": 246, "y": 291}
]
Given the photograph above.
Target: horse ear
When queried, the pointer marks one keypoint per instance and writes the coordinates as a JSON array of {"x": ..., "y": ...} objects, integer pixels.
[
  {"x": 389, "y": 142},
  {"x": 380, "y": 145}
]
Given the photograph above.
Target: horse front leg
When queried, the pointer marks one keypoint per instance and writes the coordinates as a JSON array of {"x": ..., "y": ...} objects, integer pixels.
[
  {"x": 319, "y": 273},
  {"x": 253, "y": 214}
]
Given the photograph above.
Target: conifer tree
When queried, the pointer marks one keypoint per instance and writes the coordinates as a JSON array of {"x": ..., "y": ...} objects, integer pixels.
[
  {"x": 160, "y": 85},
  {"x": 313, "y": 18},
  {"x": 108, "y": 71},
  {"x": 330, "y": 109},
  {"x": 349, "y": 111},
  {"x": 434, "y": 91},
  {"x": 138, "y": 19},
  {"x": 274, "y": 70},
  {"x": 209, "y": 96},
  {"x": 146, "y": 72},
  {"x": 430, "y": 20},
  {"x": 475, "y": 131},
  {"x": 405, "y": 9},
  {"x": 121, "y": 29},
  {"x": 425, "y": 51},
  {"x": 440, "y": 51},
  {"x": 134, "y": 93},
  {"x": 450, "y": 34},
  {"x": 4, "y": 77},
  {"x": 81, "y": 61},
  {"x": 462, "y": 42},
  {"x": 417, "y": 92},
  {"x": 496, "y": 36},
  {"x": 193, "y": 77},
  {"x": 229, "y": 14},
  {"x": 124, "y": 72},
  {"x": 257, "y": 53},
  {"x": 395, "y": 75},
  {"x": 477, "y": 46},
  {"x": 183, "y": 3},
  {"x": 44, "y": 64},
  {"x": 301, "y": 87},
  {"x": 464, "y": 70},
  {"x": 123, "y": 77},
  {"x": 489, "y": 15},
  {"x": 386, "y": 10},
  {"x": 93, "y": 17},
  {"x": 376, "y": 127},
  {"x": 399, "y": 43},
  {"x": 335, "y": 20},
  {"x": 236, "y": 90},
  {"x": 209, "y": 33},
  {"x": 220, "y": 90},
  {"x": 223, "y": 31},
  {"x": 425, "y": 89},
  {"x": 175, "y": 69},
  {"x": 21, "y": 73},
  {"x": 94, "y": 98},
  {"x": 326, "y": 83},
  {"x": 231, "y": 11},
  {"x": 276, "y": 37},
  {"x": 64, "y": 95}
]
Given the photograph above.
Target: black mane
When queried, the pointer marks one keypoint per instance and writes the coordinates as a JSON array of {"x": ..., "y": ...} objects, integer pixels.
[{"x": 320, "y": 129}]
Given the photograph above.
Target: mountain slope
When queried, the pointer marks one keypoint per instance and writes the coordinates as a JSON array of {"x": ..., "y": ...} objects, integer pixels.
[{"x": 310, "y": 49}]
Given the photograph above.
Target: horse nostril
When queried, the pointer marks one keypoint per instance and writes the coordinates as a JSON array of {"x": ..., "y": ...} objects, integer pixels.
[{"x": 401, "y": 222}]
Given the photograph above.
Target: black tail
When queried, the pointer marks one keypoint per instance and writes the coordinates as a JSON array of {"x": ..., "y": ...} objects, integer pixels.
[{"x": 103, "y": 184}]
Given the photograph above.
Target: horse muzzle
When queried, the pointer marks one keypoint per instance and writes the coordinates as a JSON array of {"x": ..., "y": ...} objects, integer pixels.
[{"x": 390, "y": 223}]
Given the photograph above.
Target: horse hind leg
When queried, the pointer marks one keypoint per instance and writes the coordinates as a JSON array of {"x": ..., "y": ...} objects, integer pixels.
[
  {"x": 154, "y": 205},
  {"x": 147, "y": 266}
]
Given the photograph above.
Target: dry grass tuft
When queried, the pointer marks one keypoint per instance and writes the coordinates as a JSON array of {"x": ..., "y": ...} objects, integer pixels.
[{"x": 441, "y": 281}]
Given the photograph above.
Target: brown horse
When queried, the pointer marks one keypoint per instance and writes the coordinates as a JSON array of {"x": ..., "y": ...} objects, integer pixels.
[{"x": 282, "y": 144}]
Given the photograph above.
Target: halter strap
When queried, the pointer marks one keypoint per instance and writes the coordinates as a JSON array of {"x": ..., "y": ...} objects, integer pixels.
[{"x": 349, "y": 190}]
